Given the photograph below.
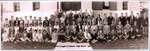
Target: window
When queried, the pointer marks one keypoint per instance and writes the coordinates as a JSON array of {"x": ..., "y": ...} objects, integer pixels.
[
  {"x": 105, "y": 5},
  {"x": 125, "y": 5},
  {"x": 97, "y": 5},
  {"x": 16, "y": 6},
  {"x": 36, "y": 5},
  {"x": 70, "y": 6},
  {"x": 113, "y": 5}
]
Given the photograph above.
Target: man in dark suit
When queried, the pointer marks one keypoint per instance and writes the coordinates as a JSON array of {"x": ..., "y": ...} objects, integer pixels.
[
  {"x": 45, "y": 22},
  {"x": 122, "y": 19},
  {"x": 110, "y": 19},
  {"x": 132, "y": 19}
]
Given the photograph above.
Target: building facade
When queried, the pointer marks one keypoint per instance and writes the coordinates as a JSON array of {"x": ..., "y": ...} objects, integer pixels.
[{"x": 46, "y": 8}]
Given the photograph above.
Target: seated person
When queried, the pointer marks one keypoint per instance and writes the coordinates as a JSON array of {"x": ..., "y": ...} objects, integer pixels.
[
  {"x": 80, "y": 37},
  {"x": 29, "y": 33},
  {"x": 127, "y": 28},
  {"x": 106, "y": 31},
  {"x": 40, "y": 36},
  {"x": 87, "y": 36},
  {"x": 100, "y": 36},
  {"x": 46, "y": 36},
  {"x": 119, "y": 29},
  {"x": 11, "y": 36},
  {"x": 5, "y": 36},
  {"x": 24, "y": 37},
  {"x": 54, "y": 36},
  {"x": 34, "y": 35},
  {"x": 93, "y": 32}
]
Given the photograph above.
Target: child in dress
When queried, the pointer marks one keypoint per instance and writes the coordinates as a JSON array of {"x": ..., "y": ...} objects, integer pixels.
[
  {"x": 54, "y": 36},
  {"x": 87, "y": 36},
  {"x": 5, "y": 35},
  {"x": 35, "y": 36},
  {"x": 40, "y": 36}
]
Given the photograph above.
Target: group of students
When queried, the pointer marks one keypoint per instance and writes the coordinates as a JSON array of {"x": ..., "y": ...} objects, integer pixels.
[{"x": 72, "y": 27}]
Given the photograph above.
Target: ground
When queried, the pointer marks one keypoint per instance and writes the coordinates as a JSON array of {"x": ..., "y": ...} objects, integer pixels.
[
  {"x": 123, "y": 44},
  {"x": 141, "y": 43},
  {"x": 28, "y": 45}
]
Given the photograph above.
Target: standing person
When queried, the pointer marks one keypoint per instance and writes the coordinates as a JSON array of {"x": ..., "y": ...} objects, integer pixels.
[
  {"x": 139, "y": 21},
  {"x": 100, "y": 22},
  {"x": 122, "y": 19},
  {"x": 17, "y": 22},
  {"x": 128, "y": 17},
  {"x": 39, "y": 21},
  {"x": 52, "y": 20},
  {"x": 62, "y": 19},
  {"x": 110, "y": 19},
  {"x": 105, "y": 18},
  {"x": 26, "y": 22},
  {"x": 145, "y": 24},
  {"x": 46, "y": 24},
  {"x": 132, "y": 19},
  {"x": 35, "y": 21},
  {"x": 11, "y": 21},
  {"x": 30, "y": 21},
  {"x": 57, "y": 20},
  {"x": 79, "y": 22},
  {"x": 21, "y": 25}
]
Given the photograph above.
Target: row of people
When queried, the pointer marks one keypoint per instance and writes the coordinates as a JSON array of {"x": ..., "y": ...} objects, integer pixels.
[{"x": 74, "y": 27}]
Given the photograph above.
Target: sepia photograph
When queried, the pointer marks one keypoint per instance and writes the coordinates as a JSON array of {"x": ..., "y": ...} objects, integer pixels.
[{"x": 74, "y": 25}]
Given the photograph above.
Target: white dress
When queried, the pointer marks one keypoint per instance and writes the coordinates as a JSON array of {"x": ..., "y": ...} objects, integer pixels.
[
  {"x": 87, "y": 35},
  {"x": 54, "y": 38},
  {"x": 35, "y": 36},
  {"x": 16, "y": 30},
  {"x": 5, "y": 34}
]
